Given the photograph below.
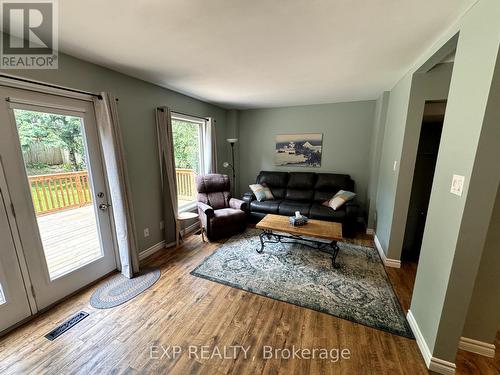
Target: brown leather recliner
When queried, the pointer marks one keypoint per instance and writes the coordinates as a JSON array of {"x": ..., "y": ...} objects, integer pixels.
[{"x": 220, "y": 215}]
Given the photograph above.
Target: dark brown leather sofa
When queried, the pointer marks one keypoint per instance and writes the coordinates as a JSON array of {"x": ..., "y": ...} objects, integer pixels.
[{"x": 304, "y": 192}]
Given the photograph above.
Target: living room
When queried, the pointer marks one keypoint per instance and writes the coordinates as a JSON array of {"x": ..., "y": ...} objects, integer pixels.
[{"x": 299, "y": 187}]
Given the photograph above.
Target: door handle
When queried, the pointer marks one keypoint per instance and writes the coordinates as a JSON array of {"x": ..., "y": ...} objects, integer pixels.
[{"x": 104, "y": 206}]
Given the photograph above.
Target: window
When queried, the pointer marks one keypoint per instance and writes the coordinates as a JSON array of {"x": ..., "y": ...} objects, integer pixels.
[{"x": 188, "y": 146}]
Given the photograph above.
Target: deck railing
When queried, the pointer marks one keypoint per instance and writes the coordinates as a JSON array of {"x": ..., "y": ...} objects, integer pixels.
[
  {"x": 185, "y": 184},
  {"x": 60, "y": 191}
]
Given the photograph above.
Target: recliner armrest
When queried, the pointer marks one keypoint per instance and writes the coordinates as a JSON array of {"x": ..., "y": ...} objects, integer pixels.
[
  {"x": 237, "y": 204},
  {"x": 247, "y": 198},
  {"x": 206, "y": 209}
]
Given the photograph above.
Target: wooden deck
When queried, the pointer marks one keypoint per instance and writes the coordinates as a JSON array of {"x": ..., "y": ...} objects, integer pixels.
[{"x": 70, "y": 239}]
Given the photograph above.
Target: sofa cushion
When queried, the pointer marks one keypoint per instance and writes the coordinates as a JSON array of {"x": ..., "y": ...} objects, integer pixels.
[
  {"x": 301, "y": 181},
  {"x": 320, "y": 212},
  {"x": 214, "y": 190},
  {"x": 276, "y": 181},
  {"x": 279, "y": 193},
  {"x": 216, "y": 199},
  {"x": 328, "y": 184},
  {"x": 227, "y": 216},
  {"x": 225, "y": 222},
  {"x": 268, "y": 207},
  {"x": 289, "y": 207},
  {"x": 300, "y": 195},
  {"x": 212, "y": 182}
]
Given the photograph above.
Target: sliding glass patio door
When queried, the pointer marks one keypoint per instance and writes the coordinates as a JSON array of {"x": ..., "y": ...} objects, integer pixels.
[{"x": 55, "y": 174}]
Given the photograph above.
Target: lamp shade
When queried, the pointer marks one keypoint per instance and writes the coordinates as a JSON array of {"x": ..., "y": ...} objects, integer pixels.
[{"x": 232, "y": 140}]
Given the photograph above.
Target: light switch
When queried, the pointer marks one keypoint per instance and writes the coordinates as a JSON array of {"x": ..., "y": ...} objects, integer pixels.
[{"x": 457, "y": 185}]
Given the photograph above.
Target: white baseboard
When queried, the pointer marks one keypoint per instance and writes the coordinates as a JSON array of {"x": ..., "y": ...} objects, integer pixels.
[
  {"x": 161, "y": 245},
  {"x": 422, "y": 345},
  {"x": 395, "y": 263},
  {"x": 153, "y": 249},
  {"x": 370, "y": 231},
  {"x": 442, "y": 367},
  {"x": 433, "y": 364},
  {"x": 478, "y": 347}
]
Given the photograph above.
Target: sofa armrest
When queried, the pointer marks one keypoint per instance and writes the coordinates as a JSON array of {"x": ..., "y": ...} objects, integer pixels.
[
  {"x": 237, "y": 204},
  {"x": 247, "y": 198},
  {"x": 206, "y": 209}
]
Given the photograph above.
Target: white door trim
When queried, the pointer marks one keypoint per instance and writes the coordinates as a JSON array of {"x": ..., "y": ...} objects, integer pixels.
[
  {"x": 14, "y": 306},
  {"x": 17, "y": 240}
]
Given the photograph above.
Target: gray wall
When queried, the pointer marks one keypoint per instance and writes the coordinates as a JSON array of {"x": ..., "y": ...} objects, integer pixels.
[
  {"x": 456, "y": 226},
  {"x": 346, "y": 129},
  {"x": 483, "y": 317},
  {"x": 138, "y": 99},
  {"x": 401, "y": 136},
  {"x": 375, "y": 155}
]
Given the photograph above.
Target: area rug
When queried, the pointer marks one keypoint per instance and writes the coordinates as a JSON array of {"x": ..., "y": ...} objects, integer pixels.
[
  {"x": 119, "y": 289},
  {"x": 359, "y": 290}
]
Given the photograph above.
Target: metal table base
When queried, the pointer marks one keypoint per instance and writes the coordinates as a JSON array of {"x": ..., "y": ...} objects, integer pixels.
[{"x": 268, "y": 236}]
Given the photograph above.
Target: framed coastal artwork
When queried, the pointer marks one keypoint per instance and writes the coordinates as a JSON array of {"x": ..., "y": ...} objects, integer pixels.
[{"x": 299, "y": 150}]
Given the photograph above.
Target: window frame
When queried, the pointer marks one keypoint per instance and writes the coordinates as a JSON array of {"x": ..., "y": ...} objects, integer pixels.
[
  {"x": 200, "y": 122},
  {"x": 3, "y": 298}
]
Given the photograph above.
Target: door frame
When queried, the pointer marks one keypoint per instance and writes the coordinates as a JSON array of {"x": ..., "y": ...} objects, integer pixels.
[
  {"x": 17, "y": 239},
  {"x": 19, "y": 82},
  {"x": 43, "y": 88}
]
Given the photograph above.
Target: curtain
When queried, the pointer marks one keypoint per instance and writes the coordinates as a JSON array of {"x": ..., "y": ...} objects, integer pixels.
[
  {"x": 119, "y": 189},
  {"x": 209, "y": 146},
  {"x": 167, "y": 163}
]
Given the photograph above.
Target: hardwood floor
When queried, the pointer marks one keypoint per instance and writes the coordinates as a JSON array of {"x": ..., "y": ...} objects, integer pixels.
[{"x": 183, "y": 310}]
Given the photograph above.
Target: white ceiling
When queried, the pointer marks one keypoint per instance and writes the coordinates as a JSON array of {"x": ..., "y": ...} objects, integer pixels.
[{"x": 258, "y": 53}]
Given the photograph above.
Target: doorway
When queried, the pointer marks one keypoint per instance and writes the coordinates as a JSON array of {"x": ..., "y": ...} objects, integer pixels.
[
  {"x": 423, "y": 175},
  {"x": 57, "y": 192}
]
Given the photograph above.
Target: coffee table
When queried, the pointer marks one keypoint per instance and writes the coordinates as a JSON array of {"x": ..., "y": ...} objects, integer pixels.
[{"x": 307, "y": 235}]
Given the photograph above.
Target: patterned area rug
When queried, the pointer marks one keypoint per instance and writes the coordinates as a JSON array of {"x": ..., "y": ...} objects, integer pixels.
[
  {"x": 359, "y": 290},
  {"x": 119, "y": 289}
]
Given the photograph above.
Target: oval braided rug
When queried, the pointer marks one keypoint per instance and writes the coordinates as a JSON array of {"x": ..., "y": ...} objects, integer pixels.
[{"x": 119, "y": 289}]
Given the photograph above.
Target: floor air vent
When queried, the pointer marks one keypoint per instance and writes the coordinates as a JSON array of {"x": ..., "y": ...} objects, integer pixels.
[{"x": 58, "y": 331}]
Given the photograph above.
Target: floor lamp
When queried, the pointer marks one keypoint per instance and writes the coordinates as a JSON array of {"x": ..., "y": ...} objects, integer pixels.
[{"x": 231, "y": 141}]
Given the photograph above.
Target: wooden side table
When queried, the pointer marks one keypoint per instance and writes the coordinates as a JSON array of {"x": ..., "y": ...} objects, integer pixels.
[{"x": 182, "y": 218}]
